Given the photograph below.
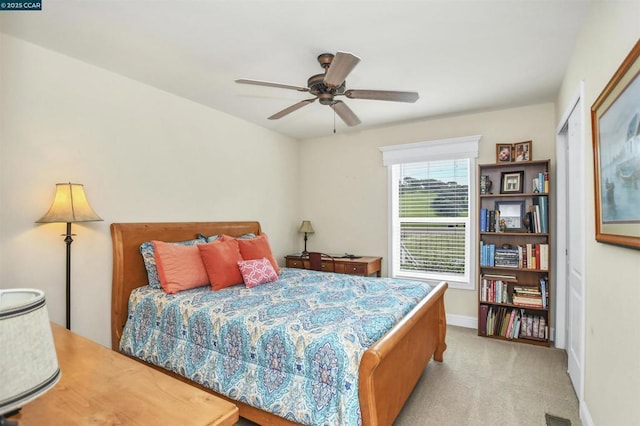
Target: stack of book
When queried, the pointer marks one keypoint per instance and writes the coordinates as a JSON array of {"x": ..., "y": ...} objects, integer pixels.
[
  {"x": 507, "y": 257},
  {"x": 529, "y": 297}
]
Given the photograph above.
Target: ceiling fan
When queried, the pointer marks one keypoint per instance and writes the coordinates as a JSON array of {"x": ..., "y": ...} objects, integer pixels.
[{"x": 327, "y": 86}]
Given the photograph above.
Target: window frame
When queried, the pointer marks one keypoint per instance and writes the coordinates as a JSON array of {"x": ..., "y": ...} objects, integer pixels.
[{"x": 420, "y": 152}]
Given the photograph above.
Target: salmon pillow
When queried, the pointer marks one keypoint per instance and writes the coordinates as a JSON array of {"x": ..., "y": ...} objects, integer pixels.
[
  {"x": 179, "y": 267},
  {"x": 257, "y": 248},
  {"x": 220, "y": 259}
]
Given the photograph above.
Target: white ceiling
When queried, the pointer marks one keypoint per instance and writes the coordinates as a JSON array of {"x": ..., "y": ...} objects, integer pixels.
[{"x": 461, "y": 56}]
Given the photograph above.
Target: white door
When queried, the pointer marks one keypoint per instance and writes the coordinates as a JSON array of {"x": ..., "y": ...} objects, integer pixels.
[{"x": 574, "y": 237}]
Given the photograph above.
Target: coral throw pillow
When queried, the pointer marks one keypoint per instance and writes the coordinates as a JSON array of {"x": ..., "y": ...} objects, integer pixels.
[
  {"x": 257, "y": 248},
  {"x": 179, "y": 267},
  {"x": 256, "y": 272},
  {"x": 220, "y": 259}
]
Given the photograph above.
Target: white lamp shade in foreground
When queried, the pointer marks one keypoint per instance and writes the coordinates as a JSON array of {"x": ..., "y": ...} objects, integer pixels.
[{"x": 28, "y": 361}]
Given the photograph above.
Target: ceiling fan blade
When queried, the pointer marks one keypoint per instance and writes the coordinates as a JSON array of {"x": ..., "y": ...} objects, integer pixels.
[
  {"x": 345, "y": 113},
  {"x": 292, "y": 108},
  {"x": 342, "y": 64},
  {"x": 382, "y": 95},
  {"x": 270, "y": 84}
]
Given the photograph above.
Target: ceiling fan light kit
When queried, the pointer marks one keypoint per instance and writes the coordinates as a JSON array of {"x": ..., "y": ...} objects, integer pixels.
[{"x": 325, "y": 87}]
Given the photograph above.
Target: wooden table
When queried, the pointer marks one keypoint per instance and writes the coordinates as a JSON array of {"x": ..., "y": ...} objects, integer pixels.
[
  {"x": 365, "y": 265},
  {"x": 102, "y": 387}
]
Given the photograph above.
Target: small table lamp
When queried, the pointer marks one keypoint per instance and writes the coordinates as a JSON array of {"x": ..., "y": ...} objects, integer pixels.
[
  {"x": 307, "y": 229},
  {"x": 28, "y": 361},
  {"x": 69, "y": 205}
]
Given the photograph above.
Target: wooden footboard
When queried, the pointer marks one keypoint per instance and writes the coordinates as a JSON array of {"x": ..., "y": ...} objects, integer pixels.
[{"x": 389, "y": 370}]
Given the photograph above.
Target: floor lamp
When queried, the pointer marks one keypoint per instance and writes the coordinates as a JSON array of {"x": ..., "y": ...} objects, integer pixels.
[{"x": 69, "y": 205}]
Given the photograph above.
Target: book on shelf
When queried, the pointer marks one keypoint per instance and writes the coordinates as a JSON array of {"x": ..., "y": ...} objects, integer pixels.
[
  {"x": 482, "y": 326},
  {"x": 530, "y": 297},
  {"x": 541, "y": 204},
  {"x": 494, "y": 291},
  {"x": 540, "y": 184},
  {"x": 501, "y": 321},
  {"x": 483, "y": 219},
  {"x": 506, "y": 257}
]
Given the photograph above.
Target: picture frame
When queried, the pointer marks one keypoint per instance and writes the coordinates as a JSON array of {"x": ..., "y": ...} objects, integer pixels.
[
  {"x": 513, "y": 213},
  {"x": 512, "y": 182},
  {"x": 503, "y": 152},
  {"x": 522, "y": 151},
  {"x": 615, "y": 125}
]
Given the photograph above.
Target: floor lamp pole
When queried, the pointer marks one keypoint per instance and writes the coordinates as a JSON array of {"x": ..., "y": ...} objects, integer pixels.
[{"x": 68, "y": 240}]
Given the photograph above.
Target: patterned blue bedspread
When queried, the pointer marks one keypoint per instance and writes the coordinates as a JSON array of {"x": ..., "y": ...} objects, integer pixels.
[{"x": 291, "y": 347}]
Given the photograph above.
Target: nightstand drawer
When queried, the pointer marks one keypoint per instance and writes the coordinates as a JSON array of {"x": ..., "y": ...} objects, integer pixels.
[
  {"x": 327, "y": 266},
  {"x": 295, "y": 263},
  {"x": 355, "y": 268}
]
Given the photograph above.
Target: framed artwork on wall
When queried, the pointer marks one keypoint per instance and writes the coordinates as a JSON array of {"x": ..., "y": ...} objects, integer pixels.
[{"x": 615, "y": 123}]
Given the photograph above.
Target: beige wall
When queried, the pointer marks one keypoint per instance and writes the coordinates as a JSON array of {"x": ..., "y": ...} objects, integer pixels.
[
  {"x": 345, "y": 184},
  {"x": 612, "y": 356},
  {"x": 142, "y": 154}
]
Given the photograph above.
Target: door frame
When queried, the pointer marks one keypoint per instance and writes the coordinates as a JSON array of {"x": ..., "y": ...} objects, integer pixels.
[{"x": 562, "y": 307}]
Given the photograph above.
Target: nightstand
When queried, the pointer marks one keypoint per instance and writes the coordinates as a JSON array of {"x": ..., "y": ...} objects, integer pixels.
[{"x": 364, "y": 265}]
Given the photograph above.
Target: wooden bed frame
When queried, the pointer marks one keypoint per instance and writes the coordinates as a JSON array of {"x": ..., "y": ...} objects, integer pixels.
[{"x": 389, "y": 370}]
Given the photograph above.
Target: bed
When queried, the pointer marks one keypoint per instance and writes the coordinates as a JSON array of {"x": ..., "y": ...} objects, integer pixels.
[{"x": 388, "y": 369}]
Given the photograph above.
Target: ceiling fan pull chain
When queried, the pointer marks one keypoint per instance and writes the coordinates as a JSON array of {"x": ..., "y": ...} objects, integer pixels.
[{"x": 333, "y": 107}]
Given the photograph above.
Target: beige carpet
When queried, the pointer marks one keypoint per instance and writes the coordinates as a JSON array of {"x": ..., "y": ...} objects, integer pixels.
[{"x": 490, "y": 382}]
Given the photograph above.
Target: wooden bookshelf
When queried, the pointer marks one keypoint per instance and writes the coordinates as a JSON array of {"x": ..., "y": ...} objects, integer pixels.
[{"x": 514, "y": 256}]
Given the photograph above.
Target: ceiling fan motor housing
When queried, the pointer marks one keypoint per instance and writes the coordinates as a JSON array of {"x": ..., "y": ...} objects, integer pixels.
[{"x": 322, "y": 91}]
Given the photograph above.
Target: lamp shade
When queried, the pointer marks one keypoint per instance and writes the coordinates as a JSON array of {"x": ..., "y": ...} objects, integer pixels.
[
  {"x": 28, "y": 361},
  {"x": 306, "y": 227},
  {"x": 69, "y": 205}
]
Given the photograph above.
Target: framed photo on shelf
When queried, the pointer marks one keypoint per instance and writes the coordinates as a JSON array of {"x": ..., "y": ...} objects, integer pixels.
[
  {"x": 512, "y": 212},
  {"x": 503, "y": 152},
  {"x": 522, "y": 151},
  {"x": 615, "y": 121},
  {"x": 512, "y": 182}
]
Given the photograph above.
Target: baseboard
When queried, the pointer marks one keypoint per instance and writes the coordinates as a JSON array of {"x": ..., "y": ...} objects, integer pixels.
[{"x": 462, "y": 321}]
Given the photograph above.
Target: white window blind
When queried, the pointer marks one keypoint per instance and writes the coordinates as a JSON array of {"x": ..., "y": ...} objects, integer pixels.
[{"x": 431, "y": 204}]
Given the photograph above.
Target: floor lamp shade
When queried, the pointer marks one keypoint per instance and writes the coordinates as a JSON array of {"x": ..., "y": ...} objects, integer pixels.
[
  {"x": 69, "y": 205},
  {"x": 28, "y": 361}
]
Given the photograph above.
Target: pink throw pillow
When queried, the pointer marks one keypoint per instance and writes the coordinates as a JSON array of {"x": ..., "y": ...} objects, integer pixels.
[
  {"x": 257, "y": 271},
  {"x": 220, "y": 259},
  {"x": 179, "y": 267}
]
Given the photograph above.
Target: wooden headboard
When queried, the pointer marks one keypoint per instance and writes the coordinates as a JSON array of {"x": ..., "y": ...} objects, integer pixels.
[{"x": 128, "y": 267}]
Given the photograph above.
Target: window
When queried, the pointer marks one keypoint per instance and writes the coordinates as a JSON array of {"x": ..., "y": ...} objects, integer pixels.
[{"x": 431, "y": 203}]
